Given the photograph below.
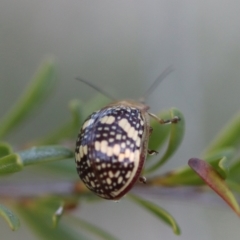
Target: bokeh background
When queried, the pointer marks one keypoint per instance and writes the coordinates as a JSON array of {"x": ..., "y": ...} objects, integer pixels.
[{"x": 123, "y": 46}]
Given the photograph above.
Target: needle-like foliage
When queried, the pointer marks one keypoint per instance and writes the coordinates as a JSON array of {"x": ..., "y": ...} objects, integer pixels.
[{"x": 48, "y": 211}]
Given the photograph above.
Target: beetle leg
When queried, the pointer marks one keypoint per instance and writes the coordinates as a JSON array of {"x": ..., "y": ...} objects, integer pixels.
[
  {"x": 150, "y": 130},
  {"x": 152, "y": 152},
  {"x": 142, "y": 179},
  {"x": 175, "y": 119}
]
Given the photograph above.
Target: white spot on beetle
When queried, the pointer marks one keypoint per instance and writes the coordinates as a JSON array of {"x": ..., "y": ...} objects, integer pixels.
[
  {"x": 131, "y": 132},
  {"x": 110, "y": 173},
  {"x": 132, "y": 157},
  {"x": 87, "y": 123},
  {"x": 104, "y": 146},
  {"x": 120, "y": 179},
  {"x": 124, "y": 124},
  {"x": 135, "y": 136},
  {"x": 109, "y": 181},
  {"x": 137, "y": 155},
  {"x": 138, "y": 141},
  {"x": 109, "y": 152},
  {"x": 77, "y": 156},
  {"x": 121, "y": 157},
  {"x": 118, "y": 136},
  {"x": 125, "y": 164},
  {"x": 104, "y": 119},
  {"x": 116, "y": 149},
  {"x": 127, "y": 153},
  {"x": 123, "y": 145},
  {"x": 97, "y": 146},
  {"x": 117, "y": 173},
  {"x": 85, "y": 150},
  {"x": 110, "y": 120},
  {"x": 103, "y": 165}
]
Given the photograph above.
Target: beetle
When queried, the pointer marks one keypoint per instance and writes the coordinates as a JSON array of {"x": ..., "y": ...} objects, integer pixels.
[{"x": 112, "y": 145}]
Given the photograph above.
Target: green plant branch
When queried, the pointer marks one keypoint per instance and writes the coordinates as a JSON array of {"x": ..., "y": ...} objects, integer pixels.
[
  {"x": 37, "y": 91},
  {"x": 37, "y": 155},
  {"x": 216, "y": 169}
]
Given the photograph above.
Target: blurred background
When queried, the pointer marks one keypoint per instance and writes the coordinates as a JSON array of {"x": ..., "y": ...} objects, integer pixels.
[{"x": 123, "y": 46}]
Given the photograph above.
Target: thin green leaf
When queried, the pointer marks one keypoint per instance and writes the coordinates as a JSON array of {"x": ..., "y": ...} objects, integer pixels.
[
  {"x": 65, "y": 167},
  {"x": 234, "y": 186},
  {"x": 5, "y": 149},
  {"x": 220, "y": 160},
  {"x": 183, "y": 176},
  {"x": 9, "y": 217},
  {"x": 223, "y": 167},
  {"x": 186, "y": 176},
  {"x": 91, "y": 228},
  {"x": 42, "y": 154},
  {"x": 49, "y": 203},
  {"x": 40, "y": 221},
  {"x": 228, "y": 137},
  {"x": 234, "y": 171},
  {"x": 10, "y": 164},
  {"x": 57, "y": 215},
  {"x": 211, "y": 177},
  {"x": 227, "y": 152},
  {"x": 160, "y": 132},
  {"x": 158, "y": 212},
  {"x": 33, "y": 95},
  {"x": 175, "y": 139},
  {"x": 69, "y": 129}
]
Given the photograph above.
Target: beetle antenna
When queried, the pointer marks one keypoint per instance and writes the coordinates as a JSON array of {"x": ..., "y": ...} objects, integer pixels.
[
  {"x": 106, "y": 94},
  {"x": 163, "y": 75}
]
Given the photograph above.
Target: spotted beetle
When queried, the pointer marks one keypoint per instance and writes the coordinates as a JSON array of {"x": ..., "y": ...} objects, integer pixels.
[{"x": 112, "y": 146}]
